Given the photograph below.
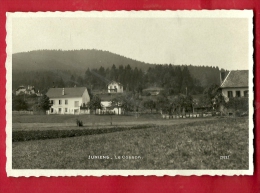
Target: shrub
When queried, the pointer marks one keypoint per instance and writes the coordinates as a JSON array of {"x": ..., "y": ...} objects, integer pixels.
[
  {"x": 79, "y": 123},
  {"x": 239, "y": 105},
  {"x": 52, "y": 134},
  {"x": 146, "y": 93}
]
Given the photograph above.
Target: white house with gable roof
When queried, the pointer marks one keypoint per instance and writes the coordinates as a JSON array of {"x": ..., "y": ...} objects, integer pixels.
[
  {"x": 115, "y": 87},
  {"x": 67, "y": 100},
  {"x": 235, "y": 84}
]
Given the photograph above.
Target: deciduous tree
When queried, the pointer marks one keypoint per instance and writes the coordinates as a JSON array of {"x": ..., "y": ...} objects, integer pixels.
[
  {"x": 19, "y": 103},
  {"x": 149, "y": 104},
  {"x": 116, "y": 103},
  {"x": 94, "y": 103},
  {"x": 212, "y": 96},
  {"x": 44, "y": 103}
]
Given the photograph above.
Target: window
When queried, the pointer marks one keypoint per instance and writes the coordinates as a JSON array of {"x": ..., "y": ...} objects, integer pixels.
[
  {"x": 66, "y": 102},
  {"x": 230, "y": 94},
  {"x": 114, "y": 87},
  {"x": 51, "y": 110},
  {"x": 59, "y": 110},
  {"x": 60, "y": 102},
  {"x": 52, "y": 101},
  {"x": 66, "y": 110},
  {"x": 238, "y": 93},
  {"x": 76, "y": 103},
  {"x": 246, "y": 93}
]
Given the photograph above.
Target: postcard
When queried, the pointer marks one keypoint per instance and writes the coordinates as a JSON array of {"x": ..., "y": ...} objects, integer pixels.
[{"x": 129, "y": 93}]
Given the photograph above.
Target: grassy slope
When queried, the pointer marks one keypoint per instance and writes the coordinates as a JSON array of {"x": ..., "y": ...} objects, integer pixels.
[{"x": 188, "y": 146}]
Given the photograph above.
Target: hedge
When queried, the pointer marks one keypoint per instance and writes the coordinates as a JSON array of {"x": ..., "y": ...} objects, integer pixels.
[{"x": 52, "y": 134}]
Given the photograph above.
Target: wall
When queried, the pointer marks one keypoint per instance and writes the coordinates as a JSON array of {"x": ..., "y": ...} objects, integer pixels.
[
  {"x": 225, "y": 91},
  {"x": 106, "y": 104},
  {"x": 119, "y": 88},
  {"x": 71, "y": 109}
]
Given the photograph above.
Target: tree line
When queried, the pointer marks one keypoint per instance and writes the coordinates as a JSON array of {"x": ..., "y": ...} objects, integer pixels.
[{"x": 174, "y": 79}]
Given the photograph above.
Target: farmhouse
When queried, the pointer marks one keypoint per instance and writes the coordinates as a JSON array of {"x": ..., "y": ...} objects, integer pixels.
[
  {"x": 106, "y": 103},
  {"x": 25, "y": 90},
  {"x": 107, "y": 108},
  {"x": 67, "y": 100},
  {"x": 235, "y": 84},
  {"x": 115, "y": 87}
]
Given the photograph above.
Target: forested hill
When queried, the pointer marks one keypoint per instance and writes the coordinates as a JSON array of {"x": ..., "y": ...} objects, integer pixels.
[
  {"x": 44, "y": 68},
  {"x": 78, "y": 60}
]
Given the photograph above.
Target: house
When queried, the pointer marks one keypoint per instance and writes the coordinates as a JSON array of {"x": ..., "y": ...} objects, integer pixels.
[
  {"x": 107, "y": 108},
  {"x": 67, "y": 100},
  {"x": 29, "y": 90},
  {"x": 115, "y": 87},
  {"x": 235, "y": 84},
  {"x": 106, "y": 103}
]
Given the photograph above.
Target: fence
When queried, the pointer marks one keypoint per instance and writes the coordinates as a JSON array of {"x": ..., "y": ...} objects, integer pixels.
[
  {"x": 22, "y": 112},
  {"x": 194, "y": 115}
]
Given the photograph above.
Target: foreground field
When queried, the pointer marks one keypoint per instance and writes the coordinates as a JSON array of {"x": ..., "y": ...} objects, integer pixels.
[{"x": 195, "y": 145}]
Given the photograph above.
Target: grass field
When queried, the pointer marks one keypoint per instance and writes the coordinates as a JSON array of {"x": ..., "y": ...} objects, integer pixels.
[
  {"x": 43, "y": 122},
  {"x": 179, "y": 144}
]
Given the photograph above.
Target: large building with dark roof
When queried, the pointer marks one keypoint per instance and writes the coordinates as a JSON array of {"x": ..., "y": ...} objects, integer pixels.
[{"x": 235, "y": 84}]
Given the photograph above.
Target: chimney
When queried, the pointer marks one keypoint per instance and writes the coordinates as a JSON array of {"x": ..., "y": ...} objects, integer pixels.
[
  {"x": 63, "y": 91},
  {"x": 222, "y": 76}
]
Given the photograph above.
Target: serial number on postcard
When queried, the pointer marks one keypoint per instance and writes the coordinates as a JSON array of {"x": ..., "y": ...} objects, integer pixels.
[{"x": 224, "y": 157}]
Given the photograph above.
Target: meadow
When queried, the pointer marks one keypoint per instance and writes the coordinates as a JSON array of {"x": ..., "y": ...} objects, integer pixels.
[
  {"x": 39, "y": 121},
  {"x": 161, "y": 144}
]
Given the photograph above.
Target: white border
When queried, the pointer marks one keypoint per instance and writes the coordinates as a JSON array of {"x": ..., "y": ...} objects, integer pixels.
[{"x": 247, "y": 14}]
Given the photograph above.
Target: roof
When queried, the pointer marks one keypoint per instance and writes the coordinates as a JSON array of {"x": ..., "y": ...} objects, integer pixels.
[
  {"x": 152, "y": 89},
  {"x": 69, "y": 92},
  {"x": 26, "y": 88},
  {"x": 236, "y": 78},
  {"x": 115, "y": 82}
]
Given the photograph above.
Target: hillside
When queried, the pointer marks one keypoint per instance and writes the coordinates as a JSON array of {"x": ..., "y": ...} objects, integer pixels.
[
  {"x": 78, "y": 60},
  {"x": 44, "y": 68}
]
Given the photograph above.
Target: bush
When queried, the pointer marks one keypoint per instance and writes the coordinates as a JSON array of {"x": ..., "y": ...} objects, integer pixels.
[
  {"x": 146, "y": 93},
  {"x": 239, "y": 105},
  {"x": 79, "y": 123}
]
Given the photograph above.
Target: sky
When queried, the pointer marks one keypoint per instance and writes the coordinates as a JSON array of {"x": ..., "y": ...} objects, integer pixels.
[{"x": 221, "y": 42}]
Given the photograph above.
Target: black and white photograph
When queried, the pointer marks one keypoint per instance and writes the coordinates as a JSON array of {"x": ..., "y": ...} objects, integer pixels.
[{"x": 129, "y": 93}]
